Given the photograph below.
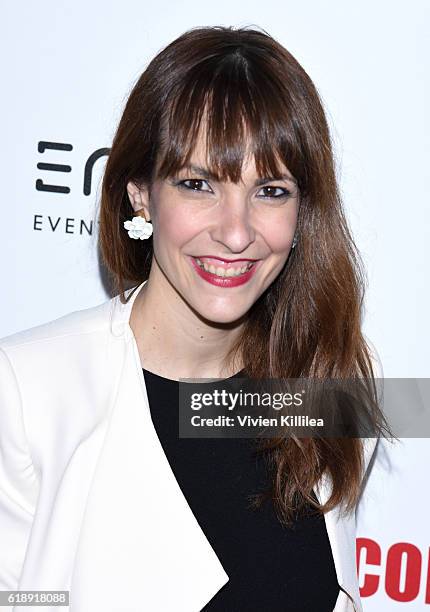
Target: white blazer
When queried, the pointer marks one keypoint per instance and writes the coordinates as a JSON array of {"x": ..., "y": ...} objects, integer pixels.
[{"x": 88, "y": 501}]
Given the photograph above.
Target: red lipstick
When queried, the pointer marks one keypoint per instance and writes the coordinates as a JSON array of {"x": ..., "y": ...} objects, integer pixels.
[{"x": 226, "y": 281}]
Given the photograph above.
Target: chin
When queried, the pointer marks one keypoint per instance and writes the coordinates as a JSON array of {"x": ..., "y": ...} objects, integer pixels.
[{"x": 222, "y": 314}]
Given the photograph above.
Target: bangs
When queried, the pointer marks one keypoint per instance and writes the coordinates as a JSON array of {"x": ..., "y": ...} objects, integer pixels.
[{"x": 240, "y": 109}]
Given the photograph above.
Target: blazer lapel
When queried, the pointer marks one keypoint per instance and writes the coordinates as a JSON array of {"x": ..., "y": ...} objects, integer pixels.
[
  {"x": 140, "y": 545},
  {"x": 341, "y": 530}
]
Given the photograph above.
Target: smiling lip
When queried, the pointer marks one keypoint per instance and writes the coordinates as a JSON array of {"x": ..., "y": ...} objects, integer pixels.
[{"x": 226, "y": 281}]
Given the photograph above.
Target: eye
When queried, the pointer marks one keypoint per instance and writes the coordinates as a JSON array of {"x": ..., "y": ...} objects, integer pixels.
[
  {"x": 271, "y": 192},
  {"x": 194, "y": 185}
]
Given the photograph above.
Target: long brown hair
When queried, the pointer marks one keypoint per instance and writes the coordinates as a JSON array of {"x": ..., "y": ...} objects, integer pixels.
[{"x": 308, "y": 322}]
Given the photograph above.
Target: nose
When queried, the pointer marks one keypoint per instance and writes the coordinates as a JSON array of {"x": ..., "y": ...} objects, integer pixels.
[{"x": 233, "y": 226}]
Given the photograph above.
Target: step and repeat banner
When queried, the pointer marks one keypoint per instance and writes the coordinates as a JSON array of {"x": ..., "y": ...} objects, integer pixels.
[{"x": 67, "y": 71}]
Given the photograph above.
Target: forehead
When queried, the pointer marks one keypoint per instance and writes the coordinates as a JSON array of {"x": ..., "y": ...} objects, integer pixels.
[{"x": 224, "y": 151}]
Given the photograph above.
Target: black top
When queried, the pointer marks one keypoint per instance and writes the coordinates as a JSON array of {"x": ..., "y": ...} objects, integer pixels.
[{"x": 271, "y": 567}]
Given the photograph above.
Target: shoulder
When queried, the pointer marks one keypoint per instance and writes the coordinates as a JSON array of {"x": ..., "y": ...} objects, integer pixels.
[
  {"x": 62, "y": 351},
  {"x": 49, "y": 375},
  {"x": 79, "y": 322}
]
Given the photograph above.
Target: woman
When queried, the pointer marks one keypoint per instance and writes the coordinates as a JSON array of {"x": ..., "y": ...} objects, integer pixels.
[{"x": 220, "y": 207}]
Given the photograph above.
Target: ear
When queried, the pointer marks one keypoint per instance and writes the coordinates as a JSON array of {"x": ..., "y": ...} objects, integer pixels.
[{"x": 139, "y": 198}]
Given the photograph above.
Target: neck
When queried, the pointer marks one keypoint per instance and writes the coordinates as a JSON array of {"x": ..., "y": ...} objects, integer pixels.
[{"x": 175, "y": 342}]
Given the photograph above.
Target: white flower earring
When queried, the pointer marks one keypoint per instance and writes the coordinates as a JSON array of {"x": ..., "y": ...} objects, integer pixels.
[{"x": 139, "y": 227}]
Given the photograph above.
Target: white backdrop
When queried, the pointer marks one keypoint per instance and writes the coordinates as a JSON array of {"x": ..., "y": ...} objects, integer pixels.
[{"x": 67, "y": 70}]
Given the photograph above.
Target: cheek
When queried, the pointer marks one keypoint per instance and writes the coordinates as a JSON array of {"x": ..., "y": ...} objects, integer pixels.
[
  {"x": 280, "y": 242},
  {"x": 278, "y": 231},
  {"x": 175, "y": 225}
]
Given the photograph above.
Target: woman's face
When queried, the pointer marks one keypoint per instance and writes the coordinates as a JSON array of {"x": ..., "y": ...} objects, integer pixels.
[{"x": 225, "y": 225}]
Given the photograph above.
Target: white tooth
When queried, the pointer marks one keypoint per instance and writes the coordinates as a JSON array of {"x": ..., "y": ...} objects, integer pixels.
[{"x": 224, "y": 272}]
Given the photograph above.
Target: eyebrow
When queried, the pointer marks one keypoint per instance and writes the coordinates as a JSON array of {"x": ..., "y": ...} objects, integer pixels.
[{"x": 260, "y": 181}]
